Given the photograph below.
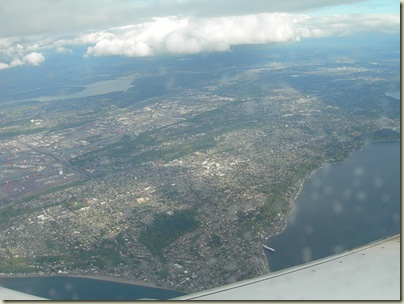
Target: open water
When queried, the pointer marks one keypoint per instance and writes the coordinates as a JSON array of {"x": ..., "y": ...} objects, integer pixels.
[
  {"x": 341, "y": 207},
  {"x": 74, "y": 288}
]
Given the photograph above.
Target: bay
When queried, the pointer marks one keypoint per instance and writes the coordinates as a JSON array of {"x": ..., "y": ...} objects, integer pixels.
[
  {"x": 76, "y": 288},
  {"x": 342, "y": 206}
]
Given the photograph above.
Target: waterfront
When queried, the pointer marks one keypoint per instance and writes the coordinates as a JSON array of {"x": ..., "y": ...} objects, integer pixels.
[{"x": 342, "y": 206}]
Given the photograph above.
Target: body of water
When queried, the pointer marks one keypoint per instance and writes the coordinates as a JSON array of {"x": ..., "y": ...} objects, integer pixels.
[
  {"x": 342, "y": 206},
  {"x": 97, "y": 88},
  {"x": 75, "y": 288}
]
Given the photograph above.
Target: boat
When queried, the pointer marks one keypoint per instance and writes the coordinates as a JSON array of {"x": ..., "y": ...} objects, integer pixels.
[{"x": 269, "y": 248}]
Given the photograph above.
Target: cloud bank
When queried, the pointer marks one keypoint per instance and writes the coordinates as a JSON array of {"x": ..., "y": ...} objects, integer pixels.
[
  {"x": 173, "y": 35},
  {"x": 26, "y": 17},
  {"x": 191, "y": 35}
]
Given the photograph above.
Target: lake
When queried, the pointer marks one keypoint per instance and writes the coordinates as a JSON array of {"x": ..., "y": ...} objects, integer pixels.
[
  {"x": 97, "y": 88},
  {"x": 342, "y": 206}
]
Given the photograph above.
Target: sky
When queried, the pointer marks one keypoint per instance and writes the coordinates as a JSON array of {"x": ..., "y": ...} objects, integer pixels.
[{"x": 137, "y": 28}]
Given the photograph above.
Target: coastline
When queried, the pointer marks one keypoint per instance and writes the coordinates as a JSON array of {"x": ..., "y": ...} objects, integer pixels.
[
  {"x": 282, "y": 225},
  {"x": 91, "y": 277},
  {"x": 115, "y": 279},
  {"x": 293, "y": 197}
]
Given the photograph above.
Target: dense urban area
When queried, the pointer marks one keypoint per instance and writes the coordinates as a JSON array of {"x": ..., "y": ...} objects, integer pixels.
[{"x": 179, "y": 180}]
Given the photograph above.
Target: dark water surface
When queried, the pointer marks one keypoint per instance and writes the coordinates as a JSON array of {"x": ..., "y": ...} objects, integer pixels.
[
  {"x": 342, "y": 206},
  {"x": 74, "y": 288}
]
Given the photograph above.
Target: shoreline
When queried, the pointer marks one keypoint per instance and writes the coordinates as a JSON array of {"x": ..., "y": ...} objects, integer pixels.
[
  {"x": 293, "y": 197},
  {"x": 91, "y": 277},
  {"x": 291, "y": 200}
]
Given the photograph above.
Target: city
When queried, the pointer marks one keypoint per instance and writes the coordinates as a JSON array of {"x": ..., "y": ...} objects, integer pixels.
[{"x": 84, "y": 183}]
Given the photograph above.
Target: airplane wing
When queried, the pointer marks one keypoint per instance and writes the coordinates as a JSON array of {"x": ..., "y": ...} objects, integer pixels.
[
  {"x": 9, "y": 294},
  {"x": 370, "y": 272}
]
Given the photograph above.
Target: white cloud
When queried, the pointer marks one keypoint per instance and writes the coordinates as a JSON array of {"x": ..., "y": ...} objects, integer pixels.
[
  {"x": 189, "y": 35},
  {"x": 52, "y": 16},
  {"x": 4, "y": 66},
  {"x": 34, "y": 58},
  {"x": 193, "y": 35},
  {"x": 339, "y": 25},
  {"x": 63, "y": 50},
  {"x": 16, "y": 62},
  {"x": 10, "y": 48},
  {"x": 84, "y": 39},
  {"x": 173, "y": 35}
]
